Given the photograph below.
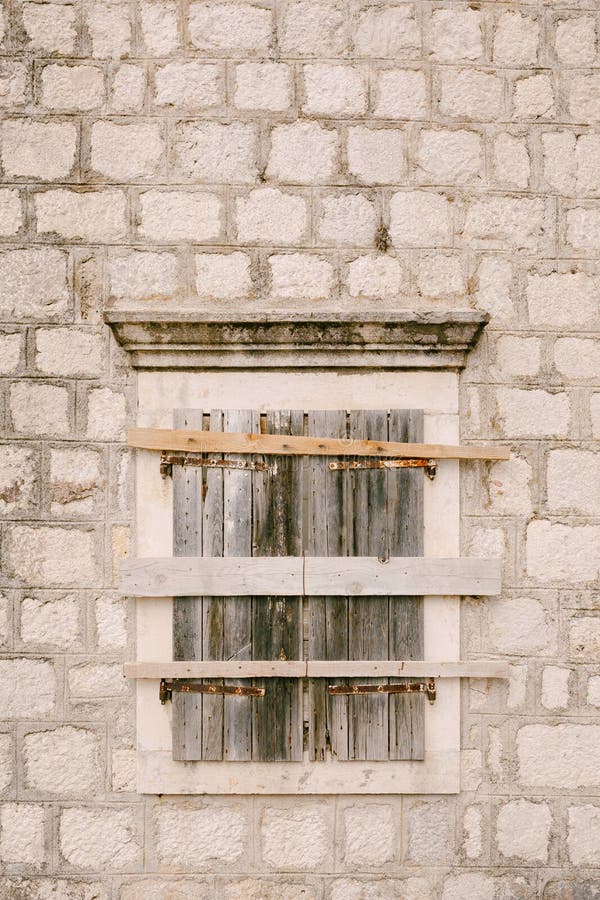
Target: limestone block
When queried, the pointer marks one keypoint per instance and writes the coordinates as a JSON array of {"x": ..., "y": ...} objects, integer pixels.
[
  {"x": 401, "y": 94},
  {"x": 143, "y": 275},
  {"x": 455, "y": 34},
  {"x": 334, "y": 90},
  {"x": 263, "y": 86},
  {"x": 316, "y": 29},
  {"x": 471, "y": 94},
  {"x": 42, "y": 150},
  {"x": 109, "y": 27},
  {"x": 583, "y": 839},
  {"x": 389, "y": 31},
  {"x": 370, "y": 835},
  {"x": 223, "y": 276},
  {"x": 63, "y": 761},
  {"x": 532, "y": 413},
  {"x": 300, "y": 275},
  {"x": 376, "y": 276},
  {"x": 106, "y": 415},
  {"x": 39, "y": 409},
  {"x": 555, "y": 687},
  {"x": 558, "y": 756},
  {"x": 516, "y": 39},
  {"x": 22, "y": 838},
  {"x": 160, "y": 27},
  {"x": 347, "y": 219},
  {"x": 91, "y": 216},
  {"x": 377, "y": 155},
  {"x": 51, "y": 555},
  {"x": 70, "y": 352},
  {"x": 180, "y": 216},
  {"x": 523, "y": 830},
  {"x": 199, "y": 838},
  {"x": 298, "y": 838},
  {"x": 97, "y": 838},
  {"x": 27, "y": 688},
  {"x": 11, "y": 213},
  {"x": 420, "y": 219},
  {"x": 19, "y": 480},
  {"x": 50, "y": 27},
  {"x": 72, "y": 88},
  {"x": 229, "y": 29},
  {"x": 52, "y": 621},
  {"x": 562, "y": 298},
  {"x": 575, "y": 40},
  {"x": 562, "y": 552},
  {"x": 188, "y": 85},
  {"x": 449, "y": 157},
  {"x": 216, "y": 153},
  {"x": 128, "y": 89},
  {"x": 511, "y": 161},
  {"x": 302, "y": 153},
  {"x": 267, "y": 215},
  {"x": 125, "y": 152}
]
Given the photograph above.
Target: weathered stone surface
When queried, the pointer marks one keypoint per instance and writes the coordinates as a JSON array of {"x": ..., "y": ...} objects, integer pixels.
[
  {"x": 63, "y": 761},
  {"x": 370, "y": 834},
  {"x": 523, "y": 830},
  {"x": 298, "y": 838},
  {"x": 200, "y": 838},
  {"x": 558, "y": 756},
  {"x": 105, "y": 838}
]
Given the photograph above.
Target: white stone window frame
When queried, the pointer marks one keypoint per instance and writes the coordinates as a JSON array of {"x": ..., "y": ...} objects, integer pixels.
[{"x": 167, "y": 386}]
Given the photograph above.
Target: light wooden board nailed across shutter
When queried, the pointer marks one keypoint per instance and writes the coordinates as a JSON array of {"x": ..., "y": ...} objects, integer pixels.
[{"x": 299, "y": 506}]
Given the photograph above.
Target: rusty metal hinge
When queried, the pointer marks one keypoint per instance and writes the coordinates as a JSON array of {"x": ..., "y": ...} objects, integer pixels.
[
  {"x": 429, "y": 465},
  {"x": 167, "y": 686},
  {"x": 168, "y": 460},
  {"x": 411, "y": 687}
]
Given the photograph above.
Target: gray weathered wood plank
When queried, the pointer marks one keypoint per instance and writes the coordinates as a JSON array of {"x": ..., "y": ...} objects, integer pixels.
[
  {"x": 277, "y": 725},
  {"x": 212, "y": 605},
  {"x": 368, "y": 615},
  {"x": 187, "y": 610},
  {"x": 323, "y": 576},
  {"x": 406, "y": 637},
  {"x": 327, "y": 615},
  {"x": 237, "y": 613}
]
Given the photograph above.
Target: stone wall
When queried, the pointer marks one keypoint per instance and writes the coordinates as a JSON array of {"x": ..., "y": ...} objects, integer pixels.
[{"x": 419, "y": 154}]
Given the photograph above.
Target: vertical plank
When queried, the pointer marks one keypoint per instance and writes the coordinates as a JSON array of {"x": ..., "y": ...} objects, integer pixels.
[
  {"x": 405, "y": 509},
  {"x": 212, "y": 607},
  {"x": 277, "y": 725},
  {"x": 187, "y": 611},
  {"x": 368, "y": 616},
  {"x": 327, "y": 616},
  {"x": 237, "y": 612}
]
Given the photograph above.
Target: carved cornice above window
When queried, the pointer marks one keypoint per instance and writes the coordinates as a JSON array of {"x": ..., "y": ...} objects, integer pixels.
[{"x": 354, "y": 338}]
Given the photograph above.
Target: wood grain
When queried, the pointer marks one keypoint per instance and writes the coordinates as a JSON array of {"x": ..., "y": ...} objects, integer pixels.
[
  {"x": 314, "y": 576},
  {"x": 385, "y": 668},
  {"x": 272, "y": 443},
  {"x": 187, "y": 609}
]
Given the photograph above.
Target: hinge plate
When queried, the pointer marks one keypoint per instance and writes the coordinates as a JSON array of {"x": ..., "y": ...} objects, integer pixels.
[
  {"x": 411, "y": 687},
  {"x": 182, "y": 686}
]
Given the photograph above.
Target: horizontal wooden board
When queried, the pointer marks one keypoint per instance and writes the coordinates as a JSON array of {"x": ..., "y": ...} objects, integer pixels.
[
  {"x": 299, "y": 445},
  {"x": 477, "y": 668},
  {"x": 211, "y": 576},
  {"x": 217, "y": 669},
  {"x": 310, "y": 576}
]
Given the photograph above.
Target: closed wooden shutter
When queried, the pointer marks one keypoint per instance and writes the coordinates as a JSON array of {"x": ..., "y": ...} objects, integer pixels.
[{"x": 299, "y": 506}]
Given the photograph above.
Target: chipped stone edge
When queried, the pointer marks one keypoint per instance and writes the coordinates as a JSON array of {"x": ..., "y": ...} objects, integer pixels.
[{"x": 355, "y": 338}]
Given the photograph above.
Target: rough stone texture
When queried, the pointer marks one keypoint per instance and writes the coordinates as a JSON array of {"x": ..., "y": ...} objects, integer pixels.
[
  {"x": 97, "y": 838},
  {"x": 523, "y": 830},
  {"x": 298, "y": 838},
  {"x": 370, "y": 834},
  {"x": 162, "y": 153},
  {"x": 192, "y": 838},
  {"x": 22, "y": 838},
  {"x": 62, "y": 761}
]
